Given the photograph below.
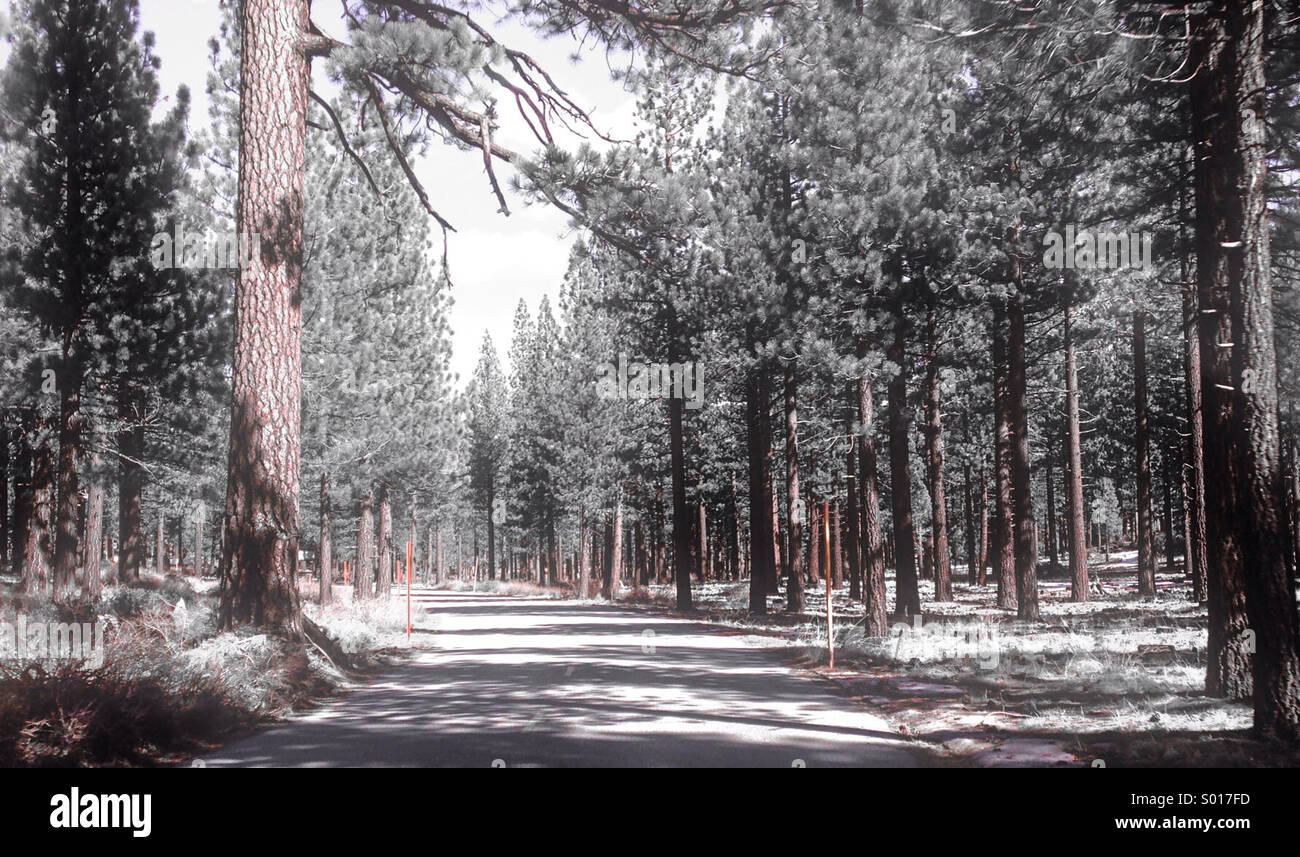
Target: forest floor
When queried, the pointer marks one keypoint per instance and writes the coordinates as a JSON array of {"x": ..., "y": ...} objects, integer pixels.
[{"x": 1115, "y": 682}]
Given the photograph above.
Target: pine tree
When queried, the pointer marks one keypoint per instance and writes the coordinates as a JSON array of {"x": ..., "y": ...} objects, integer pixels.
[{"x": 97, "y": 174}]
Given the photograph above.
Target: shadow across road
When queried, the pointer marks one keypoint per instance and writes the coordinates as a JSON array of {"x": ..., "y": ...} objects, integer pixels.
[{"x": 526, "y": 682}]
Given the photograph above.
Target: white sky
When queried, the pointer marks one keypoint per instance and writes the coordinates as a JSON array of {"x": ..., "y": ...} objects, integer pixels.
[{"x": 495, "y": 260}]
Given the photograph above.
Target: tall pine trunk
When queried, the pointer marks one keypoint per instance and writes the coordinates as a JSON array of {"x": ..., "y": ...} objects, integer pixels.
[
  {"x": 325, "y": 552},
  {"x": 876, "y": 614},
  {"x": 908, "y": 597},
  {"x": 491, "y": 528},
  {"x": 1074, "y": 474},
  {"x": 972, "y": 559},
  {"x": 1026, "y": 544},
  {"x": 794, "y": 600},
  {"x": 4, "y": 493},
  {"x": 934, "y": 462},
  {"x": 384, "y": 543},
  {"x": 1146, "y": 570},
  {"x": 1220, "y": 217},
  {"x": 681, "y": 517},
  {"x": 853, "y": 517},
  {"x": 1004, "y": 548},
  {"x": 92, "y": 538},
  {"x": 1051, "y": 506},
  {"x": 260, "y": 544},
  {"x": 762, "y": 563},
  {"x": 1194, "y": 541},
  {"x": 1246, "y": 532},
  {"x": 364, "y": 575},
  {"x": 39, "y": 542},
  {"x": 67, "y": 541}
]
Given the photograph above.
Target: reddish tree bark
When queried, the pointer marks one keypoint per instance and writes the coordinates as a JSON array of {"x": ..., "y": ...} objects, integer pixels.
[
  {"x": 364, "y": 575},
  {"x": 875, "y": 619},
  {"x": 259, "y": 561}
]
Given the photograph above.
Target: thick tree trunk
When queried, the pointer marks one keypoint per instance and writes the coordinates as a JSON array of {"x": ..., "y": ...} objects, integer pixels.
[
  {"x": 1051, "y": 506},
  {"x": 614, "y": 568},
  {"x": 1194, "y": 541},
  {"x": 762, "y": 562},
  {"x": 1026, "y": 548},
  {"x": 794, "y": 599},
  {"x": 92, "y": 538},
  {"x": 934, "y": 463},
  {"x": 552, "y": 557},
  {"x": 969, "y": 509},
  {"x": 260, "y": 544},
  {"x": 583, "y": 558},
  {"x": 384, "y": 542},
  {"x": 1004, "y": 547},
  {"x": 1246, "y": 532},
  {"x": 22, "y": 517},
  {"x": 1146, "y": 570},
  {"x": 836, "y": 545},
  {"x": 982, "y": 510},
  {"x": 681, "y": 517},
  {"x": 1166, "y": 474},
  {"x": 1074, "y": 475},
  {"x": 437, "y": 556},
  {"x": 67, "y": 553},
  {"x": 491, "y": 528},
  {"x": 5, "y": 552},
  {"x": 908, "y": 597},
  {"x": 364, "y": 576},
  {"x": 814, "y": 539},
  {"x": 130, "y": 495},
  {"x": 38, "y": 547},
  {"x": 853, "y": 517},
  {"x": 160, "y": 563},
  {"x": 1219, "y": 168},
  {"x": 325, "y": 552},
  {"x": 733, "y": 534},
  {"x": 875, "y": 620},
  {"x": 705, "y": 571}
]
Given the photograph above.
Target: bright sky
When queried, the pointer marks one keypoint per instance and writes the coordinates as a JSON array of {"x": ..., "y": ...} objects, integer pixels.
[{"x": 495, "y": 260}]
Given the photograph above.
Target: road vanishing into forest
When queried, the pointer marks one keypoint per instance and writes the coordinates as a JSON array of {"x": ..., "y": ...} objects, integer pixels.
[{"x": 531, "y": 682}]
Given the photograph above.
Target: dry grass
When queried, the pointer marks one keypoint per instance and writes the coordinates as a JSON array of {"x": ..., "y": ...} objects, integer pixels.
[
  {"x": 169, "y": 686},
  {"x": 518, "y": 588}
]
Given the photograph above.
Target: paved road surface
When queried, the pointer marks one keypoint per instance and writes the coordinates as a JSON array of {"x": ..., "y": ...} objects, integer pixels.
[{"x": 526, "y": 682}]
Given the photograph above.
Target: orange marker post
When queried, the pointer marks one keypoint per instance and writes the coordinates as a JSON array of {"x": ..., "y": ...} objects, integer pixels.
[{"x": 408, "y": 592}]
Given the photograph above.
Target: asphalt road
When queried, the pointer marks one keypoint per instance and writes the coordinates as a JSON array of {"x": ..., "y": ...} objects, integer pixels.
[{"x": 522, "y": 682}]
